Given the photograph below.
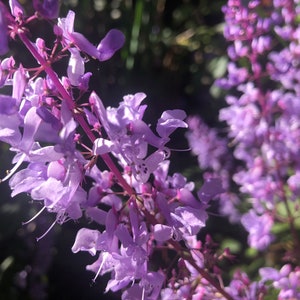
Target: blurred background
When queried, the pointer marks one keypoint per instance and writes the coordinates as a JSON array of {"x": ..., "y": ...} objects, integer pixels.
[{"x": 174, "y": 51}]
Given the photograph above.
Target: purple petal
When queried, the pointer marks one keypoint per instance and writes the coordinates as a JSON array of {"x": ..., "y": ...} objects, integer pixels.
[
  {"x": 123, "y": 235},
  {"x": 48, "y": 117},
  {"x": 19, "y": 83},
  {"x": 112, "y": 42},
  {"x": 48, "y": 9},
  {"x": 268, "y": 273},
  {"x": 31, "y": 124},
  {"x": 83, "y": 44},
  {"x": 96, "y": 214},
  {"x": 27, "y": 179},
  {"x": 102, "y": 146},
  {"x": 187, "y": 198},
  {"x": 83, "y": 83},
  {"x": 16, "y": 8},
  {"x": 45, "y": 154},
  {"x": 86, "y": 240},
  {"x": 192, "y": 219},
  {"x": 3, "y": 31},
  {"x": 100, "y": 111},
  {"x": 210, "y": 188},
  {"x": 139, "y": 127},
  {"x": 7, "y": 105},
  {"x": 162, "y": 232},
  {"x": 56, "y": 170},
  {"x": 169, "y": 121}
]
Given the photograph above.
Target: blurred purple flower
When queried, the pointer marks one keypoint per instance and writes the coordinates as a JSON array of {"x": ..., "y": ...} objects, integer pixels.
[
  {"x": 259, "y": 228},
  {"x": 286, "y": 281},
  {"x": 48, "y": 9}
]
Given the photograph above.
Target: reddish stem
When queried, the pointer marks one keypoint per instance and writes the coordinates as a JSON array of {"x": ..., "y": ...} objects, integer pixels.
[{"x": 71, "y": 105}]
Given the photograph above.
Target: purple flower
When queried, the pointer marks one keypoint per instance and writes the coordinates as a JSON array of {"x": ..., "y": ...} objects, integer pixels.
[
  {"x": 112, "y": 42},
  {"x": 135, "y": 245},
  {"x": 259, "y": 228},
  {"x": 48, "y": 9},
  {"x": 149, "y": 288},
  {"x": 241, "y": 287},
  {"x": 129, "y": 136},
  {"x": 286, "y": 280},
  {"x": 86, "y": 240}
]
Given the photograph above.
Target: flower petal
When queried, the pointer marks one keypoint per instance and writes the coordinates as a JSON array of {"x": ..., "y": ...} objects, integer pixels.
[{"x": 112, "y": 42}]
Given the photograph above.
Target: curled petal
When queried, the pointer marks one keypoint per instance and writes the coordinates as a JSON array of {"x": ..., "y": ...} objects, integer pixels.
[
  {"x": 83, "y": 83},
  {"x": 86, "y": 240},
  {"x": 16, "y": 8},
  {"x": 83, "y": 44},
  {"x": 66, "y": 24},
  {"x": 112, "y": 42},
  {"x": 169, "y": 121},
  {"x": 141, "y": 128}
]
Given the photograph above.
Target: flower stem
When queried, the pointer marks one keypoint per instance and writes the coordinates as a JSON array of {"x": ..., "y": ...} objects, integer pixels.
[{"x": 71, "y": 105}]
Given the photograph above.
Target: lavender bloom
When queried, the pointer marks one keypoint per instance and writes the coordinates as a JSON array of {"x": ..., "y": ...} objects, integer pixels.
[
  {"x": 130, "y": 136},
  {"x": 262, "y": 115},
  {"x": 205, "y": 144},
  {"x": 241, "y": 287},
  {"x": 112, "y": 42},
  {"x": 259, "y": 229},
  {"x": 286, "y": 281},
  {"x": 48, "y": 9},
  {"x": 6, "y": 70},
  {"x": 149, "y": 287},
  {"x": 76, "y": 67},
  {"x": 213, "y": 157}
]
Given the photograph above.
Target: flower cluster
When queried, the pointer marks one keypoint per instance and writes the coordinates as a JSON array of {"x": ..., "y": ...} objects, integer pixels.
[
  {"x": 263, "y": 121},
  {"x": 108, "y": 168},
  {"x": 58, "y": 139}
]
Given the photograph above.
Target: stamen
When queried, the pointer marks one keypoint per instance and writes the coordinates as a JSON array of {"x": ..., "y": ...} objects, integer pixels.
[
  {"x": 102, "y": 263},
  {"x": 35, "y": 216},
  {"x": 14, "y": 169},
  {"x": 180, "y": 150},
  {"x": 51, "y": 226}
]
